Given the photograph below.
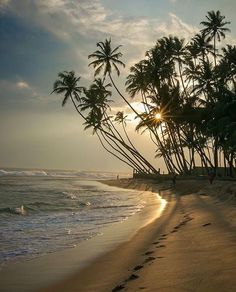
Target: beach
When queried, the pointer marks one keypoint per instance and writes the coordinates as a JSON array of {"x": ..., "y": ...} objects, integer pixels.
[{"x": 190, "y": 247}]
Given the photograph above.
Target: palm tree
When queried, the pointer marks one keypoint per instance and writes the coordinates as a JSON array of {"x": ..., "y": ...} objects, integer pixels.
[
  {"x": 68, "y": 85},
  {"x": 201, "y": 45},
  {"x": 227, "y": 65},
  {"x": 106, "y": 58},
  {"x": 136, "y": 81},
  {"x": 96, "y": 97},
  {"x": 215, "y": 27},
  {"x": 121, "y": 118}
]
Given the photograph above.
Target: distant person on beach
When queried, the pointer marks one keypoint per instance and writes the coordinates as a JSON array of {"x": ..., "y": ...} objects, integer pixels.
[{"x": 118, "y": 177}]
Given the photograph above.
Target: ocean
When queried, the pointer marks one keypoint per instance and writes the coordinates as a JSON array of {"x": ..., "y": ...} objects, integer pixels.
[{"x": 45, "y": 211}]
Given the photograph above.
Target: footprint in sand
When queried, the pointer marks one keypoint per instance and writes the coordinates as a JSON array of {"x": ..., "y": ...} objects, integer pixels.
[
  {"x": 118, "y": 288},
  {"x": 162, "y": 238},
  {"x": 149, "y": 259},
  {"x": 139, "y": 267},
  {"x": 206, "y": 224},
  {"x": 156, "y": 242},
  {"x": 133, "y": 277},
  {"x": 160, "y": 246},
  {"x": 149, "y": 252}
]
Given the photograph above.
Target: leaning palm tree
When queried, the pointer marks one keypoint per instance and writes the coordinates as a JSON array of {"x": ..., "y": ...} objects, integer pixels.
[
  {"x": 96, "y": 97},
  {"x": 215, "y": 27},
  {"x": 106, "y": 59},
  {"x": 67, "y": 84}
]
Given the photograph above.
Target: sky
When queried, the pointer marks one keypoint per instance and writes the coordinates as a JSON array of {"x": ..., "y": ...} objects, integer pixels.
[{"x": 40, "y": 38}]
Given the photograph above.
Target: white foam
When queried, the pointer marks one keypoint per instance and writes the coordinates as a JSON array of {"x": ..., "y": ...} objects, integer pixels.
[
  {"x": 23, "y": 172},
  {"x": 70, "y": 195},
  {"x": 20, "y": 210}
]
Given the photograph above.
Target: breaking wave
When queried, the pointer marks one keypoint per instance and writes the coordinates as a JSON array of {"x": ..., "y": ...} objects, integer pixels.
[
  {"x": 90, "y": 175},
  {"x": 23, "y": 172}
]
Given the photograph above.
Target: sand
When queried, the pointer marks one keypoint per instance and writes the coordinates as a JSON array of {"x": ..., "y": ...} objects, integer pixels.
[{"x": 191, "y": 247}]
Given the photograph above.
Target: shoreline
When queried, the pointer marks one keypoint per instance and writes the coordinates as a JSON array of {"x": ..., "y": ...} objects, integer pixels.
[
  {"x": 191, "y": 246},
  {"x": 43, "y": 271}
]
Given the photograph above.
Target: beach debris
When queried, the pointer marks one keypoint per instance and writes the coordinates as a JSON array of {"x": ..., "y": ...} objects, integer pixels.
[
  {"x": 133, "y": 277},
  {"x": 137, "y": 268},
  {"x": 206, "y": 224},
  {"x": 118, "y": 288}
]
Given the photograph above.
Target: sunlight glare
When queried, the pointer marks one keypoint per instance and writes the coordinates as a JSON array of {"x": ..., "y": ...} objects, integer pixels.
[{"x": 158, "y": 116}]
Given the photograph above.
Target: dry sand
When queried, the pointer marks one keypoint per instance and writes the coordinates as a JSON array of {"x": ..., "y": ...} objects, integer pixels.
[{"x": 191, "y": 247}]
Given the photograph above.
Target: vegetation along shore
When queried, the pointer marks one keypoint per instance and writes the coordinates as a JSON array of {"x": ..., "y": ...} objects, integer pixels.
[{"x": 186, "y": 90}]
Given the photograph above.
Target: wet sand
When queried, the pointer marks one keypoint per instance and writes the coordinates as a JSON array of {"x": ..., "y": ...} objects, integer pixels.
[
  {"x": 191, "y": 247},
  {"x": 37, "y": 273}
]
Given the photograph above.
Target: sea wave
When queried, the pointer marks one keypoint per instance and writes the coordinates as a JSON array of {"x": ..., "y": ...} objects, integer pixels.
[
  {"x": 17, "y": 210},
  {"x": 44, "y": 207},
  {"x": 91, "y": 175},
  {"x": 23, "y": 172}
]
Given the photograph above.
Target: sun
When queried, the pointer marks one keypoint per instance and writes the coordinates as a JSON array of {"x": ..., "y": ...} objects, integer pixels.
[{"x": 158, "y": 116}]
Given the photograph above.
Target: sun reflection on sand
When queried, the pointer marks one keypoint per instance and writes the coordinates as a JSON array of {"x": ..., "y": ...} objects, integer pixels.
[{"x": 162, "y": 206}]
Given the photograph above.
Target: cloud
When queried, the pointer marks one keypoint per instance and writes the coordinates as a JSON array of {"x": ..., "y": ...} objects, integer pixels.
[
  {"x": 3, "y": 3},
  {"x": 13, "y": 85},
  {"x": 90, "y": 18},
  {"x": 20, "y": 93},
  {"x": 22, "y": 84},
  {"x": 82, "y": 23}
]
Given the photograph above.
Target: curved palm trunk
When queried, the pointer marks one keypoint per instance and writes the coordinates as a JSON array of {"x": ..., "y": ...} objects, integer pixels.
[
  {"x": 132, "y": 149},
  {"x": 112, "y": 153},
  {"x": 185, "y": 161},
  {"x": 171, "y": 164},
  {"x": 145, "y": 164},
  {"x": 125, "y": 100},
  {"x": 176, "y": 150},
  {"x": 132, "y": 108},
  {"x": 122, "y": 152},
  {"x": 135, "y": 149},
  {"x": 182, "y": 80}
]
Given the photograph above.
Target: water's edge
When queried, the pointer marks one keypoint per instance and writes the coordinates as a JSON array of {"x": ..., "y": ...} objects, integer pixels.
[{"x": 31, "y": 275}]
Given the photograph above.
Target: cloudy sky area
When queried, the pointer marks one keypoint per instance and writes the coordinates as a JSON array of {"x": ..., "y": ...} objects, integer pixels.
[{"x": 40, "y": 38}]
